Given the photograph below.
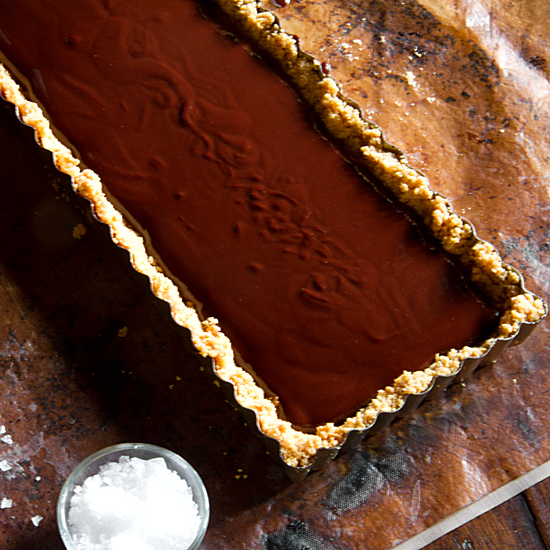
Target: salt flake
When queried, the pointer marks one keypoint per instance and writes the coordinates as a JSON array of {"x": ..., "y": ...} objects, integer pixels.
[
  {"x": 2, "y": 430},
  {"x": 6, "y": 503},
  {"x": 36, "y": 520},
  {"x": 7, "y": 439},
  {"x": 5, "y": 465}
]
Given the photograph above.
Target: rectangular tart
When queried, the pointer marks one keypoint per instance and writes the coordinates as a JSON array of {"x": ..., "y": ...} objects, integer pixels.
[{"x": 320, "y": 306}]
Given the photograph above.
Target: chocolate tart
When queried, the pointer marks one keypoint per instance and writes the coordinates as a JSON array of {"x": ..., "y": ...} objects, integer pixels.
[{"x": 337, "y": 310}]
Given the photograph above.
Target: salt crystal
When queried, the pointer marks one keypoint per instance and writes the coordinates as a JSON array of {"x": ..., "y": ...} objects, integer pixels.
[
  {"x": 134, "y": 503},
  {"x": 5, "y": 465},
  {"x": 2, "y": 430},
  {"x": 36, "y": 520},
  {"x": 7, "y": 439},
  {"x": 6, "y": 503}
]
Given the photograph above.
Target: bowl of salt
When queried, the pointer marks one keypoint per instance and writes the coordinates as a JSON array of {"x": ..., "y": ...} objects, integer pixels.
[{"x": 133, "y": 496}]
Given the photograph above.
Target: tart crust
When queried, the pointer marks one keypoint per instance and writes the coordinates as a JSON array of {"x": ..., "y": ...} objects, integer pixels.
[{"x": 366, "y": 145}]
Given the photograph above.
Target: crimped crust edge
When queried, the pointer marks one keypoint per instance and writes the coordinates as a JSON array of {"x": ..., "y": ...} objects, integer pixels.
[{"x": 345, "y": 122}]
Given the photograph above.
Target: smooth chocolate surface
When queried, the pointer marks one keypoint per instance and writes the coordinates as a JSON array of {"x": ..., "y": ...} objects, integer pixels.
[{"x": 322, "y": 287}]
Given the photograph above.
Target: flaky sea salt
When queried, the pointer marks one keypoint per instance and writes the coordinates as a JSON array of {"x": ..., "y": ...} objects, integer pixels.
[
  {"x": 6, "y": 503},
  {"x": 133, "y": 504},
  {"x": 36, "y": 520}
]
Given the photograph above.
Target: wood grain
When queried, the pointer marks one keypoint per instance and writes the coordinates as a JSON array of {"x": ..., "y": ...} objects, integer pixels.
[
  {"x": 521, "y": 523},
  {"x": 538, "y": 501}
]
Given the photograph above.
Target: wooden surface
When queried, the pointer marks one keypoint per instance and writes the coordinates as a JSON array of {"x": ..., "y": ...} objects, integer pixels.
[
  {"x": 89, "y": 359},
  {"x": 520, "y": 523}
]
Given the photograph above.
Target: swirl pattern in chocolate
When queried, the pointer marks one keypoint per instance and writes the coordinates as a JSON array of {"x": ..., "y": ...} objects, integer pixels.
[{"x": 324, "y": 289}]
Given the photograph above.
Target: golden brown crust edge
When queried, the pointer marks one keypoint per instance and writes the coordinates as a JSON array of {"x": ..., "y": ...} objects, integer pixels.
[{"x": 345, "y": 122}]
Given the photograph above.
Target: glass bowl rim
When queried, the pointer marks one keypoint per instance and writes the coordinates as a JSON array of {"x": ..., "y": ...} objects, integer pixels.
[{"x": 200, "y": 496}]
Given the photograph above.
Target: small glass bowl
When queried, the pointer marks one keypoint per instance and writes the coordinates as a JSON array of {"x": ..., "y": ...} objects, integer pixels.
[{"x": 92, "y": 464}]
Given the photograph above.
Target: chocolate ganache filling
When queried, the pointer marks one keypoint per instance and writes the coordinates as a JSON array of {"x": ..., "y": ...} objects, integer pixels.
[{"x": 323, "y": 288}]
